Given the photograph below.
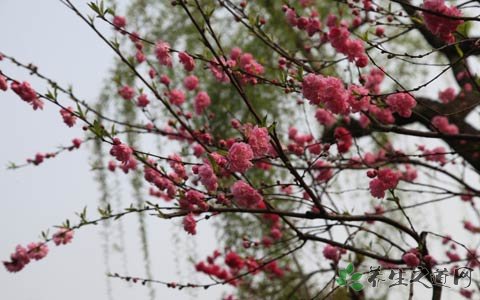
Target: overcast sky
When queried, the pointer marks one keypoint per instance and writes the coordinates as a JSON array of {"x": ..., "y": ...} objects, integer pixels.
[{"x": 36, "y": 198}]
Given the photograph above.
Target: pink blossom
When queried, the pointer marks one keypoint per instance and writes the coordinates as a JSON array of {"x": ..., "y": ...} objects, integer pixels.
[
  {"x": 331, "y": 252},
  {"x": 63, "y": 236},
  {"x": 379, "y": 31},
  {"x": 326, "y": 90},
  {"x": 27, "y": 94},
  {"x": 68, "y": 117},
  {"x": 240, "y": 156},
  {"x": 377, "y": 188},
  {"x": 411, "y": 260},
  {"x": 39, "y": 157},
  {"x": 383, "y": 115},
  {"x": 190, "y": 82},
  {"x": 235, "y": 53},
  {"x": 250, "y": 66},
  {"x": 437, "y": 154},
  {"x": 18, "y": 260},
  {"x": 245, "y": 195},
  {"x": 291, "y": 15},
  {"x": 358, "y": 98},
  {"x": 131, "y": 164},
  {"x": 140, "y": 56},
  {"x": 217, "y": 69},
  {"x": 122, "y": 152},
  {"x": 142, "y": 100},
  {"x": 119, "y": 21},
  {"x": 374, "y": 79},
  {"x": 386, "y": 179},
  {"x": 198, "y": 150},
  {"x": 441, "y": 123},
  {"x": 3, "y": 83},
  {"x": 208, "y": 177},
  {"x": 343, "y": 138},
  {"x": 76, "y": 143},
  {"x": 401, "y": 103},
  {"x": 410, "y": 173},
  {"x": 389, "y": 177},
  {"x": 175, "y": 162},
  {"x": 165, "y": 80},
  {"x": 325, "y": 117},
  {"x": 259, "y": 141},
  {"x": 176, "y": 97},
  {"x": 202, "y": 101},
  {"x": 339, "y": 38},
  {"x": 187, "y": 61},
  {"x": 127, "y": 92},
  {"x": 189, "y": 224},
  {"x": 233, "y": 260},
  {"x": 313, "y": 26},
  {"x": 112, "y": 165},
  {"x": 447, "y": 95},
  {"x": 193, "y": 200},
  {"x": 162, "y": 52},
  {"x": 37, "y": 251},
  {"x": 325, "y": 170},
  {"x": 441, "y": 26}
]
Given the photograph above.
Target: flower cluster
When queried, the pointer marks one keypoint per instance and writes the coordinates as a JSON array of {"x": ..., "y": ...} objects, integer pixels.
[
  {"x": 310, "y": 24},
  {"x": 245, "y": 195},
  {"x": 35, "y": 251},
  {"x": 401, "y": 103},
  {"x": 339, "y": 38},
  {"x": 122, "y": 152},
  {"x": 240, "y": 157},
  {"x": 68, "y": 117},
  {"x": 25, "y": 91},
  {"x": 439, "y": 23},
  {"x": 328, "y": 91},
  {"x": 202, "y": 101},
  {"x": 385, "y": 179},
  {"x": 441, "y": 123}
]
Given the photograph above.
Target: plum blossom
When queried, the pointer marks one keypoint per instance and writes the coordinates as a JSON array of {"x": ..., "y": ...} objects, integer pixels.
[
  {"x": 68, "y": 117},
  {"x": 190, "y": 82},
  {"x": 162, "y": 52},
  {"x": 63, "y": 236},
  {"x": 202, "y": 101},
  {"x": 401, "y": 103},
  {"x": 441, "y": 26},
  {"x": 240, "y": 156},
  {"x": 441, "y": 123},
  {"x": 187, "y": 61},
  {"x": 189, "y": 224},
  {"x": 245, "y": 195},
  {"x": 259, "y": 141}
]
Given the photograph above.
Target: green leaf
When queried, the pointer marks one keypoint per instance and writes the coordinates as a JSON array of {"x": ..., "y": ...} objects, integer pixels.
[
  {"x": 464, "y": 28},
  {"x": 341, "y": 281},
  {"x": 349, "y": 268},
  {"x": 357, "y": 286},
  {"x": 459, "y": 50},
  {"x": 356, "y": 276},
  {"x": 343, "y": 274}
]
